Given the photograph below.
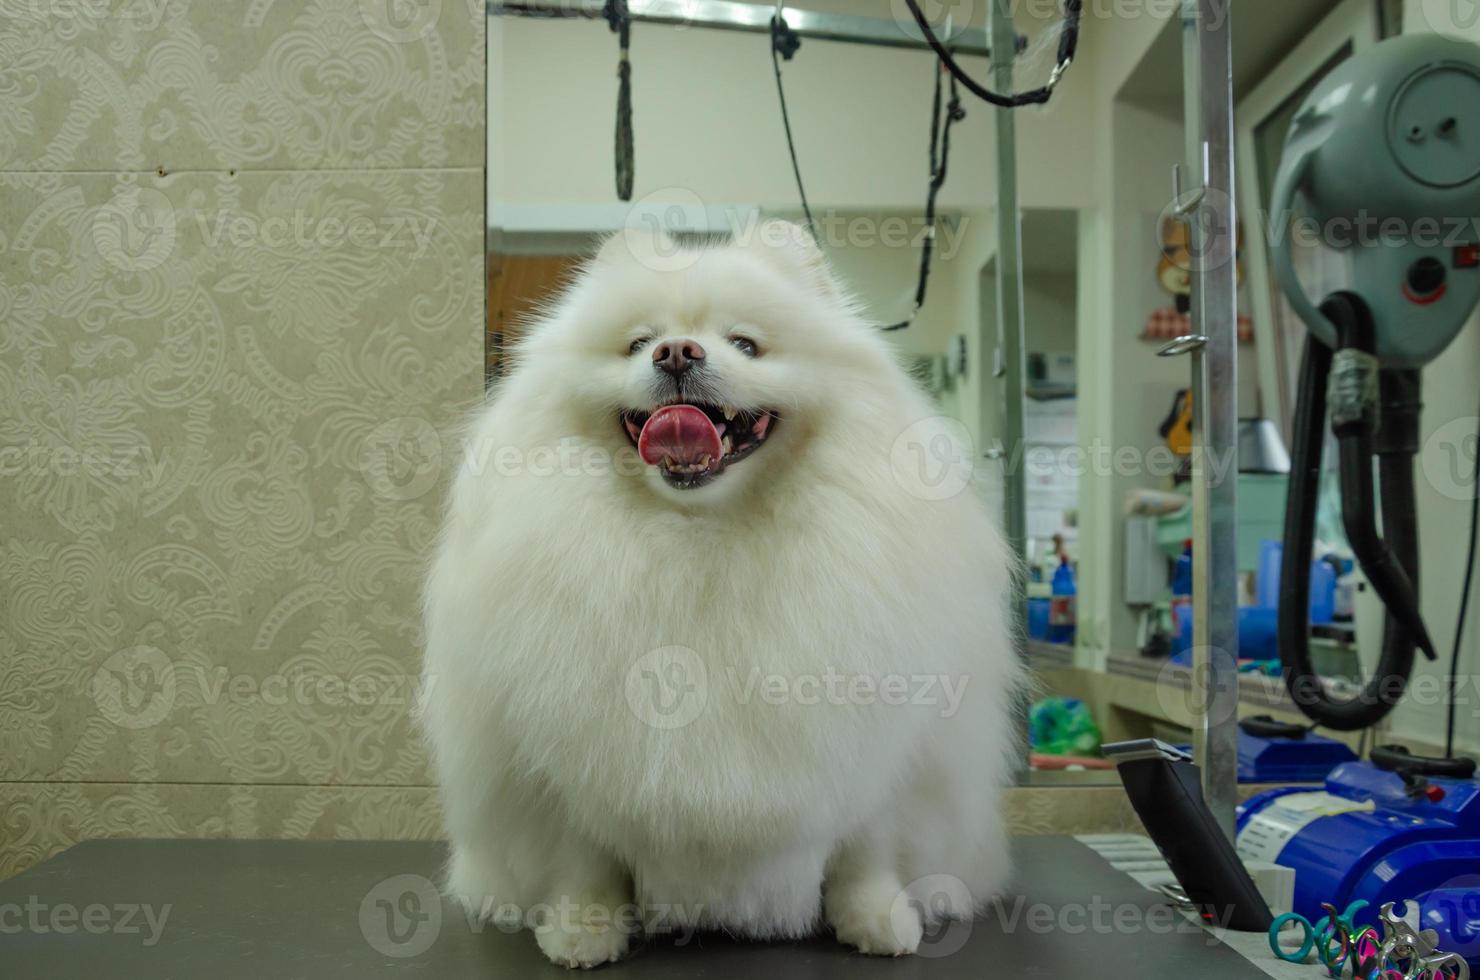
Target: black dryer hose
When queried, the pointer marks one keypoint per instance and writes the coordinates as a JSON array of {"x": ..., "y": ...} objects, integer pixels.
[{"x": 1395, "y": 445}]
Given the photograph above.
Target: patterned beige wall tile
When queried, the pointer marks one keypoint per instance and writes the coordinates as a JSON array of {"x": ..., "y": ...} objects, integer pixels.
[
  {"x": 111, "y": 85},
  {"x": 223, "y": 470},
  {"x": 39, "y": 820}
]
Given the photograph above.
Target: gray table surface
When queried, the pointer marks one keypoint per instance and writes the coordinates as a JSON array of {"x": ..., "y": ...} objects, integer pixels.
[{"x": 326, "y": 909}]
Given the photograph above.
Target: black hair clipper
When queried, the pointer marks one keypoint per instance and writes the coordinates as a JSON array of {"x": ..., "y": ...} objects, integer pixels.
[{"x": 1165, "y": 789}]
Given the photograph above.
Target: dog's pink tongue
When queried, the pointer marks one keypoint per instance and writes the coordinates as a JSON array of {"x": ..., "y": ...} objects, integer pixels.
[{"x": 682, "y": 433}]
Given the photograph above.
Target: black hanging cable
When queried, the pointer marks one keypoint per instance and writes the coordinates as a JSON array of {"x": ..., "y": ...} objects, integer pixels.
[
  {"x": 784, "y": 44},
  {"x": 620, "y": 21},
  {"x": 1464, "y": 608},
  {"x": 940, "y": 155},
  {"x": 1068, "y": 45}
]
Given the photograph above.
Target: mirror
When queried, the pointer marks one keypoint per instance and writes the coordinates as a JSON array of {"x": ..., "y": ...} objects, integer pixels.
[
  {"x": 1104, "y": 275},
  {"x": 1128, "y": 667}
]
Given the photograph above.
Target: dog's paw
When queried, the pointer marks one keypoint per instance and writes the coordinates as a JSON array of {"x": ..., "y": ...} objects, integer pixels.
[
  {"x": 872, "y": 921},
  {"x": 581, "y": 945}
]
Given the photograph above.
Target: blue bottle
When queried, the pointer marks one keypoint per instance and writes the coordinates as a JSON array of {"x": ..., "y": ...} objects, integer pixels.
[
  {"x": 1038, "y": 611},
  {"x": 1061, "y": 604},
  {"x": 1181, "y": 608},
  {"x": 1182, "y": 572},
  {"x": 1267, "y": 582}
]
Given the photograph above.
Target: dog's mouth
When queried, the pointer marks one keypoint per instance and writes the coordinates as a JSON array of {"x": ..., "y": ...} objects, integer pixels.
[{"x": 692, "y": 443}]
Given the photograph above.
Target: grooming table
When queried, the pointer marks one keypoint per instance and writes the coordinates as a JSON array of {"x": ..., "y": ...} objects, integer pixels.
[{"x": 269, "y": 910}]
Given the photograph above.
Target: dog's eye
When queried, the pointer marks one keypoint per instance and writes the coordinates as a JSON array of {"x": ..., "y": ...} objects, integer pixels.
[
  {"x": 638, "y": 344},
  {"x": 745, "y": 346}
]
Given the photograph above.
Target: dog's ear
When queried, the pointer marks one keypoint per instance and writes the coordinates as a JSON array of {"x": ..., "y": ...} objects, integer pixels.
[{"x": 792, "y": 251}]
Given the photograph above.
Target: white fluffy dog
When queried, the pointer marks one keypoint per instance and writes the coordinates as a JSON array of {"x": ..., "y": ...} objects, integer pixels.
[{"x": 704, "y": 651}]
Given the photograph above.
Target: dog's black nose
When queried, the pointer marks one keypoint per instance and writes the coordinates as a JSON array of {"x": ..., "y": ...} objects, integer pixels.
[{"x": 677, "y": 356}]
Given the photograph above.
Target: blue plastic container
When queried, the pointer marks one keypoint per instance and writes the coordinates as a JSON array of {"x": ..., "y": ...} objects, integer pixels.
[
  {"x": 1258, "y": 633},
  {"x": 1322, "y": 592},
  {"x": 1322, "y": 583},
  {"x": 1287, "y": 760}
]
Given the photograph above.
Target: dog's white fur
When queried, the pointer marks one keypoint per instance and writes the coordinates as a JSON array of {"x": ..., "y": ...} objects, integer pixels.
[{"x": 565, "y": 562}]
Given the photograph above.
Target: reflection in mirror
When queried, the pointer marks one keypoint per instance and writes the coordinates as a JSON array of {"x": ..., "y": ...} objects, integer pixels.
[
  {"x": 1127, "y": 671},
  {"x": 710, "y": 159},
  {"x": 1105, "y": 276}
]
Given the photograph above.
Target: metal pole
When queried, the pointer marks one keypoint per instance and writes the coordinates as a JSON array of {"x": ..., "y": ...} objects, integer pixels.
[
  {"x": 1207, "y": 43},
  {"x": 1011, "y": 364},
  {"x": 727, "y": 15}
]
